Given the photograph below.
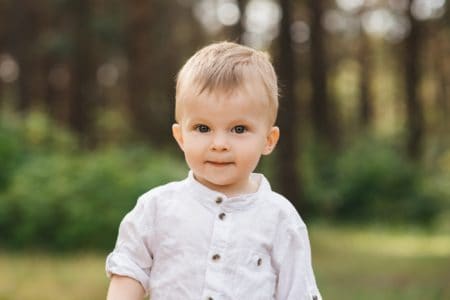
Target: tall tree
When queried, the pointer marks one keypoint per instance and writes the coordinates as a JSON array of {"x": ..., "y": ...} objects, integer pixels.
[
  {"x": 82, "y": 102},
  {"x": 151, "y": 66},
  {"x": 365, "y": 99},
  {"x": 238, "y": 29},
  {"x": 4, "y": 21},
  {"x": 414, "y": 109},
  {"x": 24, "y": 38},
  {"x": 55, "y": 62},
  {"x": 323, "y": 125},
  {"x": 4, "y": 24},
  {"x": 139, "y": 52},
  {"x": 440, "y": 43},
  {"x": 288, "y": 148}
]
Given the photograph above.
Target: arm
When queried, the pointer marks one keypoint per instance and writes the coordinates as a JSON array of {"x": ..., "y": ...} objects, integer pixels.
[
  {"x": 130, "y": 263},
  {"x": 296, "y": 277},
  {"x": 122, "y": 287}
]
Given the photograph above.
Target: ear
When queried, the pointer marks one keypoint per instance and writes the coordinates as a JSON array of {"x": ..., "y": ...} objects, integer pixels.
[
  {"x": 271, "y": 140},
  {"x": 176, "y": 132}
]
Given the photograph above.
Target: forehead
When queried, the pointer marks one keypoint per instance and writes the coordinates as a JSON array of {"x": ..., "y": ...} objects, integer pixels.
[
  {"x": 230, "y": 99},
  {"x": 246, "y": 93}
]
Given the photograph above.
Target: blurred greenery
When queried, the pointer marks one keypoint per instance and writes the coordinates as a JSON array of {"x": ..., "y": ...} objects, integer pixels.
[
  {"x": 80, "y": 198},
  {"x": 371, "y": 181}
]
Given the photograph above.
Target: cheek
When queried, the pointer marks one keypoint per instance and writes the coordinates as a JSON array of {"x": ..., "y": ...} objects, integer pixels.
[
  {"x": 250, "y": 154},
  {"x": 193, "y": 148},
  {"x": 253, "y": 146},
  {"x": 192, "y": 156},
  {"x": 190, "y": 149}
]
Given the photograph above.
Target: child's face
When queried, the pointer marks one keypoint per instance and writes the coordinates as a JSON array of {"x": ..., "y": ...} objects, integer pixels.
[{"x": 223, "y": 137}]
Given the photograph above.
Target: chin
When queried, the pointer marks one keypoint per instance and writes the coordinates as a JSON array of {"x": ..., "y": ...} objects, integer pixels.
[{"x": 221, "y": 182}]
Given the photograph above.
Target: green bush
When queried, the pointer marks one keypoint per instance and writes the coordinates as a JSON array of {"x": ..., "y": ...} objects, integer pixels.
[
  {"x": 11, "y": 154},
  {"x": 369, "y": 182},
  {"x": 22, "y": 137},
  {"x": 77, "y": 201},
  {"x": 54, "y": 195}
]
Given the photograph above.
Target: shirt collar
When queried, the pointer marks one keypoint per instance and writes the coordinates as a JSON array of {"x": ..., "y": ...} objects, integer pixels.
[{"x": 209, "y": 197}]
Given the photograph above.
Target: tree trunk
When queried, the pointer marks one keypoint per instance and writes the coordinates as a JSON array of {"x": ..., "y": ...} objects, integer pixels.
[
  {"x": 238, "y": 30},
  {"x": 82, "y": 102},
  {"x": 365, "y": 99},
  {"x": 288, "y": 171},
  {"x": 139, "y": 52},
  {"x": 441, "y": 63},
  {"x": 23, "y": 40},
  {"x": 5, "y": 21},
  {"x": 324, "y": 128},
  {"x": 415, "y": 120},
  {"x": 151, "y": 68}
]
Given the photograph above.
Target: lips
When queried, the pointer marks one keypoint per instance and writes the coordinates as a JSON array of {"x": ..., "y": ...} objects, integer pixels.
[{"x": 219, "y": 163}]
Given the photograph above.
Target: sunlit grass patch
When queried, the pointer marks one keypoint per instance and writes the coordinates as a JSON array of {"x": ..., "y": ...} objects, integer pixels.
[
  {"x": 367, "y": 264},
  {"x": 48, "y": 277},
  {"x": 412, "y": 243}
]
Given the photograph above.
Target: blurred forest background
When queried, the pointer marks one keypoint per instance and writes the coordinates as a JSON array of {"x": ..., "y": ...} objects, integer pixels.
[{"x": 87, "y": 98}]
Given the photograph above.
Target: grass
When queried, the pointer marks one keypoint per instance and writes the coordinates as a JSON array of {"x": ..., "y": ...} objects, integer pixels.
[
  {"x": 350, "y": 263},
  {"x": 48, "y": 277},
  {"x": 379, "y": 264}
]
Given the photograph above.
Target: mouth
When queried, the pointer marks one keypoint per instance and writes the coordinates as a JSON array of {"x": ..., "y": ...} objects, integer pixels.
[{"x": 219, "y": 163}]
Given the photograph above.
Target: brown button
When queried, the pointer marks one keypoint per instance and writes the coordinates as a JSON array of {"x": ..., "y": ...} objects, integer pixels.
[
  {"x": 222, "y": 216},
  {"x": 216, "y": 257},
  {"x": 219, "y": 200},
  {"x": 210, "y": 298},
  {"x": 259, "y": 261}
]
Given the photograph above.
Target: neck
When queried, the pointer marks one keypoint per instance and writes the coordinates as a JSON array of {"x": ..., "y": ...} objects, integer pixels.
[{"x": 249, "y": 187}]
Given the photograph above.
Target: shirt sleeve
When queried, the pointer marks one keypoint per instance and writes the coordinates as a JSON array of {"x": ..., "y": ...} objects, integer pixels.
[
  {"x": 295, "y": 275},
  {"x": 132, "y": 256}
]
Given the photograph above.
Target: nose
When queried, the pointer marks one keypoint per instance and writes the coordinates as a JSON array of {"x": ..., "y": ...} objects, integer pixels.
[{"x": 219, "y": 143}]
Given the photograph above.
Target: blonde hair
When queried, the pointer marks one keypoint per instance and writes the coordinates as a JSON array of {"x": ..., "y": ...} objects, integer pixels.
[{"x": 225, "y": 67}]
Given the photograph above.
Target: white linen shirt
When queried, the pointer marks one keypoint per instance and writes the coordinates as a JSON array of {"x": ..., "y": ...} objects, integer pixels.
[{"x": 185, "y": 241}]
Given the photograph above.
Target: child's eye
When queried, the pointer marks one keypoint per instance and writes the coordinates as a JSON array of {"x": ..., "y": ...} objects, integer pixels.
[
  {"x": 201, "y": 128},
  {"x": 239, "y": 129}
]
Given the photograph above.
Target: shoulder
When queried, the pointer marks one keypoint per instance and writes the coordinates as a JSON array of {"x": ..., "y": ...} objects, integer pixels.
[
  {"x": 162, "y": 191},
  {"x": 146, "y": 205},
  {"x": 283, "y": 208}
]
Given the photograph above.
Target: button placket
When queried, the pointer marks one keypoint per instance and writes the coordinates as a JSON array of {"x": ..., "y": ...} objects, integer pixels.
[
  {"x": 219, "y": 201},
  {"x": 217, "y": 250}
]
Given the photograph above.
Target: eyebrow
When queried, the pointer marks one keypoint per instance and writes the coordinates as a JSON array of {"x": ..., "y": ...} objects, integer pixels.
[{"x": 201, "y": 120}]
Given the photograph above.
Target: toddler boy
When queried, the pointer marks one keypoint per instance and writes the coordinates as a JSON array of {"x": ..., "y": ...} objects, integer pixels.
[{"x": 221, "y": 233}]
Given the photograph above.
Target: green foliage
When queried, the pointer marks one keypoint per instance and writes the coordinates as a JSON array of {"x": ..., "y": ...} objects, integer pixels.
[
  {"x": 60, "y": 197},
  {"x": 369, "y": 182},
  {"x": 11, "y": 152},
  {"x": 54, "y": 195},
  {"x": 61, "y": 201}
]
